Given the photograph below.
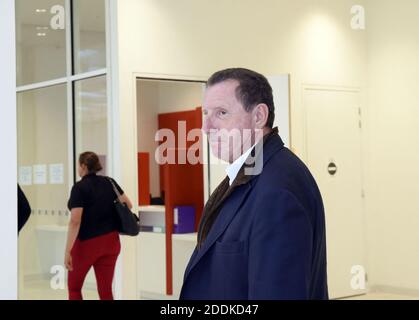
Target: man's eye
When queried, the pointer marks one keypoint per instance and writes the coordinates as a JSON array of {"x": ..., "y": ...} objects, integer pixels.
[{"x": 222, "y": 113}]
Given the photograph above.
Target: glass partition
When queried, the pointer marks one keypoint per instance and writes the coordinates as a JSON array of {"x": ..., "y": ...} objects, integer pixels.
[
  {"x": 40, "y": 40},
  {"x": 43, "y": 174},
  {"x": 91, "y": 118},
  {"x": 89, "y": 34},
  {"x": 56, "y": 120}
]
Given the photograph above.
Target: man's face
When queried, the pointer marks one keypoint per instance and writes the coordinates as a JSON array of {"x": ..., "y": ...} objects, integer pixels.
[{"x": 230, "y": 128}]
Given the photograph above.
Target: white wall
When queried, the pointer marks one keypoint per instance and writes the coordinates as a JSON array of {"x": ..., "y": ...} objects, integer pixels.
[
  {"x": 179, "y": 96},
  {"x": 8, "y": 225},
  {"x": 393, "y": 173},
  {"x": 311, "y": 40}
]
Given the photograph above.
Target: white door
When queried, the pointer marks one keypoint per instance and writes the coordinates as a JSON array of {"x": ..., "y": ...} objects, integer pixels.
[
  {"x": 216, "y": 167},
  {"x": 333, "y": 141}
]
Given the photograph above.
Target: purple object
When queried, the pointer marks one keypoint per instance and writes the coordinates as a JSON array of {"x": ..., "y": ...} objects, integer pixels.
[{"x": 184, "y": 219}]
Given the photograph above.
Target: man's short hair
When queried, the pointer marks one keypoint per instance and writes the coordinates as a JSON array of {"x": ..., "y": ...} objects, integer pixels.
[{"x": 252, "y": 90}]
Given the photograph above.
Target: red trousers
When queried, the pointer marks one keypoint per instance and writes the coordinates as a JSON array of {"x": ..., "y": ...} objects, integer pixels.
[{"x": 100, "y": 253}]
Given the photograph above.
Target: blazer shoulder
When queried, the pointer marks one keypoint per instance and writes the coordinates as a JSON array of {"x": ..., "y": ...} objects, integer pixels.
[
  {"x": 284, "y": 164},
  {"x": 286, "y": 172}
]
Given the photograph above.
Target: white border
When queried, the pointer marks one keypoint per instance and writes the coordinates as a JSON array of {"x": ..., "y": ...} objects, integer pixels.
[
  {"x": 8, "y": 187},
  {"x": 70, "y": 131},
  {"x": 114, "y": 147}
]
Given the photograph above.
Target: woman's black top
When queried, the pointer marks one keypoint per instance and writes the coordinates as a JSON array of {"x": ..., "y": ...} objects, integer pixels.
[{"x": 96, "y": 196}]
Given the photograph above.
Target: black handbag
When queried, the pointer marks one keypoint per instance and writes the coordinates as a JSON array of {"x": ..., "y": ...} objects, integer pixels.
[{"x": 129, "y": 221}]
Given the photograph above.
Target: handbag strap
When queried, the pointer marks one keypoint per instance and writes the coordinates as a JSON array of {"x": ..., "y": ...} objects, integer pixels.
[{"x": 115, "y": 189}]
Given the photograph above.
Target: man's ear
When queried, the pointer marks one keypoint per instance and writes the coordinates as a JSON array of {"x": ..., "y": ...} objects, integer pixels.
[{"x": 261, "y": 114}]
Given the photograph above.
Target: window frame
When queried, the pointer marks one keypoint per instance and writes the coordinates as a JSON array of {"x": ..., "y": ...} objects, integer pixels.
[{"x": 70, "y": 79}]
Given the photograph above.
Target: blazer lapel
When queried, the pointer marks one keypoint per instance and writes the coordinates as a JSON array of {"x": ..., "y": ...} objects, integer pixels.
[{"x": 229, "y": 210}]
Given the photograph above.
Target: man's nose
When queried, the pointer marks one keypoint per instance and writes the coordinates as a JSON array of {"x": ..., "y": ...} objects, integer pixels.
[{"x": 207, "y": 125}]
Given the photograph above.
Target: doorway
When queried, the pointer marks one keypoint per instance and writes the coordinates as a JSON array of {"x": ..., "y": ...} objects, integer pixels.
[
  {"x": 164, "y": 190},
  {"x": 334, "y": 156}
]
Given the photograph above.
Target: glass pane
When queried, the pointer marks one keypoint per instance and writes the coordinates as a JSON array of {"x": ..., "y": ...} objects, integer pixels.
[
  {"x": 89, "y": 35},
  {"x": 40, "y": 40},
  {"x": 91, "y": 118},
  {"x": 43, "y": 176}
]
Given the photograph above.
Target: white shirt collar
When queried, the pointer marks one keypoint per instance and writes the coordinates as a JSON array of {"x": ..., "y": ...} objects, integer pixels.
[{"x": 233, "y": 169}]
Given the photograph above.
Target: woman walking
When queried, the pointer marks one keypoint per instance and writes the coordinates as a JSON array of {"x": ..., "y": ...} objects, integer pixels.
[{"x": 93, "y": 238}]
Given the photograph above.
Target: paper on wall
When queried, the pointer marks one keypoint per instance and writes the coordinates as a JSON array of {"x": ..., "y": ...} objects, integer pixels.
[
  {"x": 56, "y": 173},
  {"x": 25, "y": 176},
  {"x": 40, "y": 174}
]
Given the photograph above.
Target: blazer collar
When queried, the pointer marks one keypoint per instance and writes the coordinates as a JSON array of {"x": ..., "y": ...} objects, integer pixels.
[{"x": 260, "y": 155}]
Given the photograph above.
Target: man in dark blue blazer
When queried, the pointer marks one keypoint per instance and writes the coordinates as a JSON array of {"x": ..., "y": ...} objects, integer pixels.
[{"x": 262, "y": 234}]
